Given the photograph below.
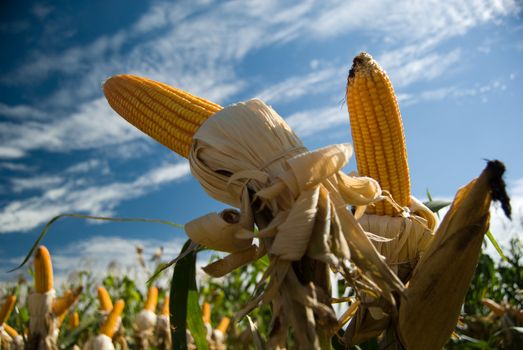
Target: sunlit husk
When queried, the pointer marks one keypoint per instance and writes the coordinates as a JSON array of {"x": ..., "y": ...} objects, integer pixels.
[
  {"x": 442, "y": 277},
  {"x": 42, "y": 325},
  {"x": 247, "y": 152},
  {"x": 99, "y": 342}
]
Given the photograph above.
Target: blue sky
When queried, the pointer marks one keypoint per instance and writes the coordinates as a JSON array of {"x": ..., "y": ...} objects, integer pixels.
[{"x": 457, "y": 68}]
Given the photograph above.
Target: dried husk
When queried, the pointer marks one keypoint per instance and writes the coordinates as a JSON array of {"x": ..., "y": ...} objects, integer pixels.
[
  {"x": 163, "y": 332},
  {"x": 99, "y": 342},
  {"x": 42, "y": 326},
  {"x": 247, "y": 155},
  {"x": 144, "y": 327},
  {"x": 432, "y": 304}
]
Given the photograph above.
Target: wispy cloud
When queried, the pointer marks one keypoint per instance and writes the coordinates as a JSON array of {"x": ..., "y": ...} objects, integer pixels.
[
  {"x": 316, "y": 82},
  {"x": 306, "y": 123},
  {"x": 456, "y": 92},
  {"x": 94, "y": 125},
  {"x": 73, "y": 195}
]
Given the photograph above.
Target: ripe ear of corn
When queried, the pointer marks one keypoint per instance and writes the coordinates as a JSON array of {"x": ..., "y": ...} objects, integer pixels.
[
  {"x": 377, "y": 131},
  {"x": 43, "y": 270},
  {"x": 7, "y": 308},
  {"x": 152, "y": 299},
  {"x": 10, "y": 330},
  {"x": 62, "y": 304},
  {"x": 171, "y": 116},
  {"x": 75, "y": 320},
  {"x": 111, "y": 322},
  {"x": 206, "y": 313},
  {"x": 224, "y": 324},
  {"x": 106, "y": 303},
  {"x": 165, "y": 307}
]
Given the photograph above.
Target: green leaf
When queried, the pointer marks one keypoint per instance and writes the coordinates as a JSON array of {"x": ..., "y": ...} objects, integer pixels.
[
  {"x": 436, "y": 205},
  {"x": 496, "y": 245},
  {"x": 184, "y": 303},
  {"x": 91, "y": 217}
]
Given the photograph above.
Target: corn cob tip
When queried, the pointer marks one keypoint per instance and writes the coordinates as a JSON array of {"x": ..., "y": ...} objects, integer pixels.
[
  {"x": 7, "y": 308},
  {"x": 111, "y": 322},
  {"x": 165, "y": 308},
  {"x": 152, "y": 299},
  {"x": 13, "y": 333},
  {"x": 224, "y": 324},
  {"x": 43, "y": 270},
  {"x": 206, "y": 313},
  {"x": 104, "y": 299},
  {"x": 75, "y": 320},
  {"x": 362, "y": 62}
]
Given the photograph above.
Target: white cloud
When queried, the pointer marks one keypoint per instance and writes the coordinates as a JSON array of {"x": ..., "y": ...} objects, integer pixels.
[
  {"x": 316, "y": 82},
  {"x": 34, "y": 183},
  {"x": 76, "y": 196},
  {"x": 21, "y": 111},
  {"x": 94, "y": 125},
  {"x": 306, "y": 123},
  {"x": 424, "y": 68},
  {"x": 482, "y": 91}
]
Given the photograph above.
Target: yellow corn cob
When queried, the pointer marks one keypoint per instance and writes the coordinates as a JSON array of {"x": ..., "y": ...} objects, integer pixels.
[
  {"x": 7, "y": 308},
  {"x": 377, "y": 131},
  {"x": 105, "y": 300},
  {"x": 171, "y": 116},
  {"x": 43, "y": 273},
  {"x": 152, "y": 299},
  {"x": 62, "y": 304},
  {"x": 111, "y": 322},
  {"x": 224, "y": 324},
  {"x": 497, "y": 309},
  {"x": 206, "y": 313},
  {"x": 10, "y": 330},
  {"x": 165, "y": 308},
  {"x": 75, "y": 320}
]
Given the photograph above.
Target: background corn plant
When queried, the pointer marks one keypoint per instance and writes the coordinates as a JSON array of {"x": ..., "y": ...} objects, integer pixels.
[{"x": 500, "y": 280}]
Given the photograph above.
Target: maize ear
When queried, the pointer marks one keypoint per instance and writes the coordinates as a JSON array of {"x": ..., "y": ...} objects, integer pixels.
[
  {"x": 111, "y": 322},
  {"x": 105, "y": 300},
  {"x": 165, "y": 308},
  {"x": 62, "y": 304},
  {"x": 74, "y": 322},
  {"x": 43, "y": 270},
  {"x": 171, "y": 116},
  {"x": 224, "y": 324},
  {"x": 10, "y": 330},
  {"x": 7, "y": 308},
  {"x": 206, "y": 313},
  {"x": 152, "y": 299},
  {"x": 377, "y": 131}
]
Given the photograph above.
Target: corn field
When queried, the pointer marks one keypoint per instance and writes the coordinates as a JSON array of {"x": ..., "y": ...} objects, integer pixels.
[
  {"x": 490, "y": 318},
  {"x": 311, "y": 257}
]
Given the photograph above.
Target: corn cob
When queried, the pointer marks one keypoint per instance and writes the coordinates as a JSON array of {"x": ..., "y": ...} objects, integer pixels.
[
  {"x": 7, "y": 308},
  {"x": 206, "y": 313},
  {"x": 111, "y": 323},
  {"x": 152, "y": 299},
  {"x": 74, "y": 322},
  {"x": 43, "y": 274},
  {"x": 377, "y": 131},
  {"x": 105, "y": 300},
  {"x": 224, "y": 324},
  {"x": 171, "y": 116},
  {"x": 165, "y": 308},
  {"x": 10, "y": 330},
  {"x": 61, "y": 305}
]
